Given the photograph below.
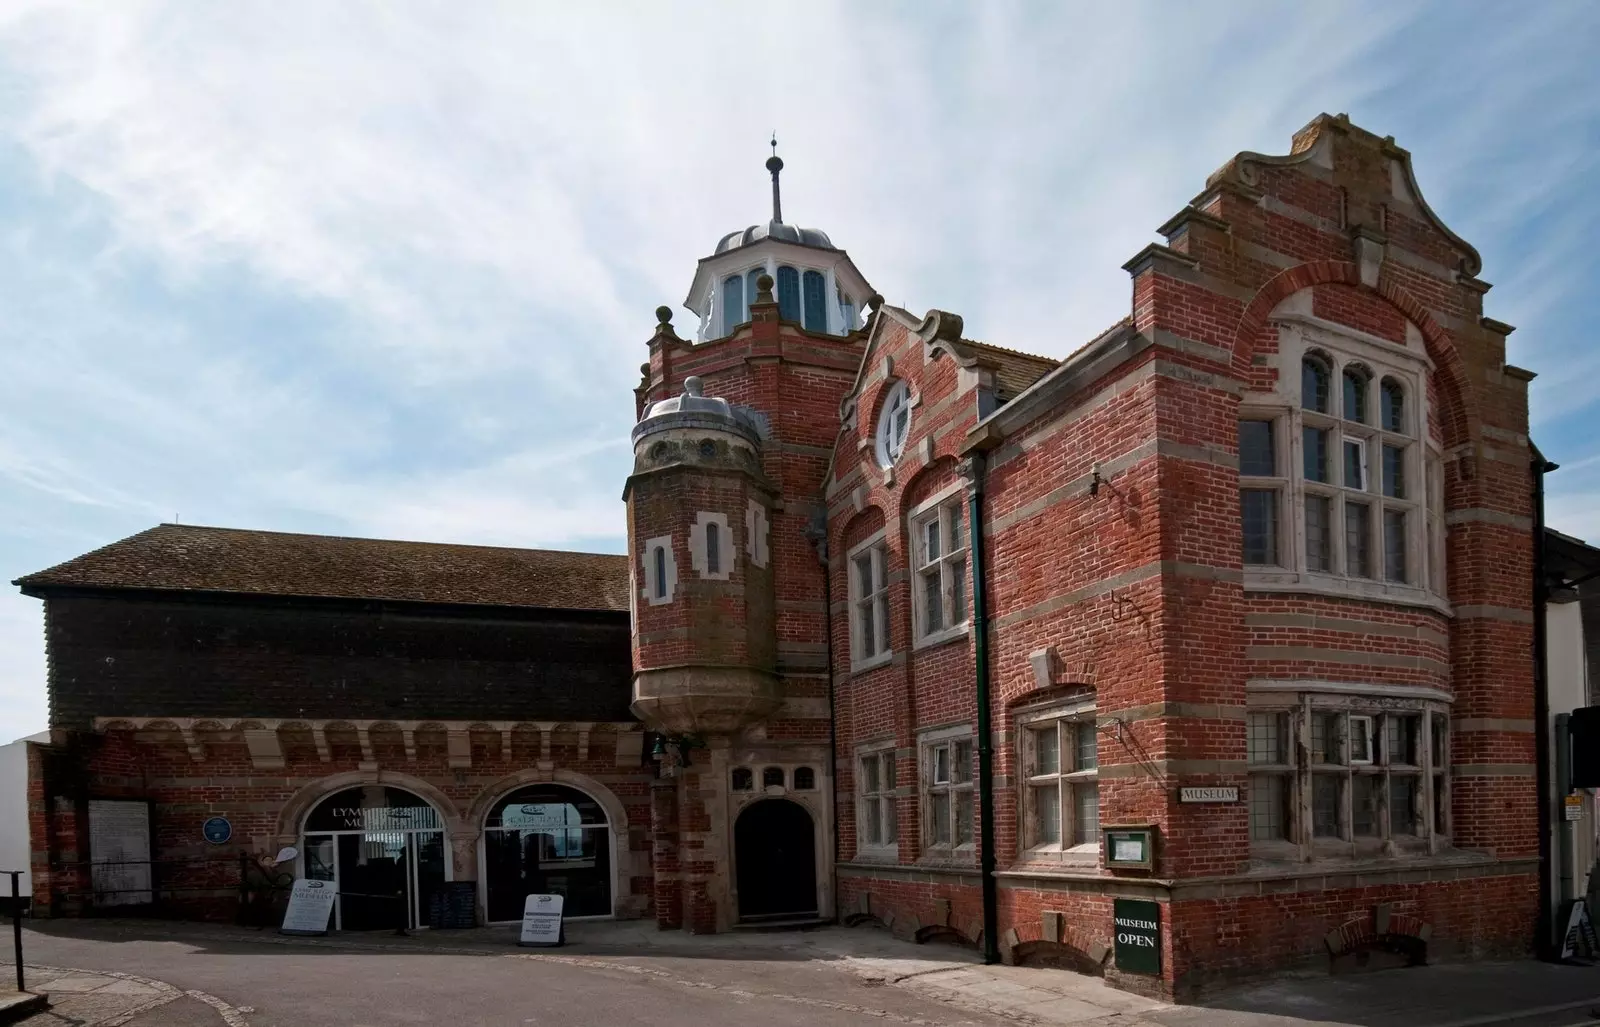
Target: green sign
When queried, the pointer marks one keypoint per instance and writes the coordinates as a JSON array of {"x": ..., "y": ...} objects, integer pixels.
[{"x": 1138, "y": 933}]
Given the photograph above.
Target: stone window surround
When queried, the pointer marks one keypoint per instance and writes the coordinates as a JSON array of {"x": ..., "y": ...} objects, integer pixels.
[
  {"x": 915, "y": 519},
  {"x": 876, "y": 545},
  {"x": 928, "y": 792},
  {"x": 725, "y": 548},
  {"x": 1079, "y": 709},
  {"x": 1301, "y": 333},
  {"x": 888, "y": 797},
  {"x": 648, "y": 560},
  {"x": 756, "y": 526},
  {"x": 889, "y": 446},
  {"x": 1299, "y": 700}
]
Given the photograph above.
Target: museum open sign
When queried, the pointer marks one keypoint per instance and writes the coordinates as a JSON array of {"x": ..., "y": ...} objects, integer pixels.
[{"x": 1138, "y": 934}]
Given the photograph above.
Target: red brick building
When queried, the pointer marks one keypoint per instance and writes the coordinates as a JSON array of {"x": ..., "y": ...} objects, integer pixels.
[
  {"x": 415, "y": 719},
  {"x": 1201, "y": 652},
  {"x": 1255, "y": 568}
]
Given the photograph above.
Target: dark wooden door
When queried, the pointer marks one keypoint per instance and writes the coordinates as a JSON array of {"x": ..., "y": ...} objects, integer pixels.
[{"x": 775, "y": 848}]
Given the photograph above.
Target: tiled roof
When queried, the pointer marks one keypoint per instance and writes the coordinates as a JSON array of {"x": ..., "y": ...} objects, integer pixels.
[
  {"x": 1014, "y": 370},
  {"x": 184, "y": 557}
]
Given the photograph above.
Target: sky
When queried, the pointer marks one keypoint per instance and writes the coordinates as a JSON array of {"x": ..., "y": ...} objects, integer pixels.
[{"x": 389, "y": 269}]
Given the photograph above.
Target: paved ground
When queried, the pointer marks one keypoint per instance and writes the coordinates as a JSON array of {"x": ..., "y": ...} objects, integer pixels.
[{"x": 142, "y": 974}]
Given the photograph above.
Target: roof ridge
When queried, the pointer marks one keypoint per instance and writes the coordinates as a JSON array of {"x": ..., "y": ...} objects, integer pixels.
[{"x": 365, "y": 538}]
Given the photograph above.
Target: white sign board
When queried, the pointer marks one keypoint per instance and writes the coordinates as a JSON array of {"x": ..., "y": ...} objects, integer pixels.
[
  {"x": 1573, "y": 807},
  {"x": 310, "y": 906},
  {"x": 541, "y": 920},
  {"x": 1230, "y": 794},
  {"x": 540, "y": 816},
  {"x": 119, "y": 852},
  {"x": 1128, "y": 850}
]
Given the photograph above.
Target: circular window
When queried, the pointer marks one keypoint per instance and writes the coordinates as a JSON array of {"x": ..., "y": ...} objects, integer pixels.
[{"x": 894, "y": 424}]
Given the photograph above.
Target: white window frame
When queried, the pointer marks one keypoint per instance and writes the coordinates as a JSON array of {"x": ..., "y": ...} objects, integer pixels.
[
  {"x": 948, "y": 791},
  {"x": 886, "y": 797},
  {"x": 951, "y": 566},
  {"x": 1349, "y": 708},
  {"x": 670, "y": 563},
  {"x": 889, "y": 445},
  {"x": 874, "y": 604},
  {"x": 1066, "y": 719},
  {"x": 699, "y": 551},
  {"x": 1341, "y": 348}
]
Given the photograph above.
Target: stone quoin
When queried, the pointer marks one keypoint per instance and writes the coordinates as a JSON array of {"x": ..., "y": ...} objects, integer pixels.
[{"x": 1244, "y": 580}]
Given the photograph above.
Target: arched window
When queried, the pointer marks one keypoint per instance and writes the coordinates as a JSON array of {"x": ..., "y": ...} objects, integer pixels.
[
  {"x": 1365, "y": 489},
  {"x": 805, "y": 779},
  {"x": 661, "y": 572},
  {"x": 894, "y": 424},
  {"x": 1393, "y": 400},
  {"x": 772, "y": 776},
  {"x": 788, "y": 293},
  {"x": 367, "y": 840},
  {"x": 1355, "y": 395},
  {"x": 733, "y": 306},
  {"x": 1314, "y": 384},
  {"x": 847, "y": 311},
  {"x": 713, "y": 548},
  {"x": 815, "y": 302},
  {"x": 743, "y": 780},
  {"x": 542, "y": 837}
]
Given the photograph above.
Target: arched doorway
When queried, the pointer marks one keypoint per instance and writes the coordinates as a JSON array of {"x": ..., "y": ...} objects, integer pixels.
[
  {"x": 774, "y": 845},
  {"x": 384, "y": 848},
  {"x": 547, "y": 839}
]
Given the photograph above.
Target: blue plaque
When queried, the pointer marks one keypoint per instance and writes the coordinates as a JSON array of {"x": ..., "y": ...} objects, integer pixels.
[{"x": 217, "y": 830}]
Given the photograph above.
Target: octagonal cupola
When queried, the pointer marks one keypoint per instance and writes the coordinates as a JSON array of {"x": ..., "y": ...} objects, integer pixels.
[{"x": 817, "y": 285}]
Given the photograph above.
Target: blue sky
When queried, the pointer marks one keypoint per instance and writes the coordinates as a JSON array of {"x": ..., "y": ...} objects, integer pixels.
[{"x": 388, "y": 269}]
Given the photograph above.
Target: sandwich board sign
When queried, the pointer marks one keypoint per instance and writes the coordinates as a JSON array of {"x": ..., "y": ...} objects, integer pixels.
[
  {"x": 310, "y": 906},
  {"x": 541, "y": 920}
]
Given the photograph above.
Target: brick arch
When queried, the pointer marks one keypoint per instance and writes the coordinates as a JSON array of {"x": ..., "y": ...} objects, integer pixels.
[
  {"x": 926, "y": 480},
  {"x": 1073, "y": 951},
  {"x": 1455, "y": 399},
  {"x": 291, "y": 818}
]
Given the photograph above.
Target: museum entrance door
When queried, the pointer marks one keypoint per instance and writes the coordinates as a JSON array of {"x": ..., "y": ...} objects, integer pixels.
[
  {"x": 384, "y": 848},
  {"x": 774, "y": 844}
]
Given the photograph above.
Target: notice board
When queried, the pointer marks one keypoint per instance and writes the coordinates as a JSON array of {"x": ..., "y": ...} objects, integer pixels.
[{"x": 119, "y": 852}]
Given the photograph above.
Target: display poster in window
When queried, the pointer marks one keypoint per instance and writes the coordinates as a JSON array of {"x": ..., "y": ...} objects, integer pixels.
[
  {"x": 541, "y": 920},
  {"x": 540, "y": 816},
  {"x": 310, "y": 906},
  {"x": 119, "y": 852},
  {"x": 1138, "y": 935}
]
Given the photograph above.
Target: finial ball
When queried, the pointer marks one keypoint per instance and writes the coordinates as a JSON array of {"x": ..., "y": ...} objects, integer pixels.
[
  {"x": 693, "y": 386},
  {"x": 875, "y": 301},
  {"x": 764, "y": 283},
  {"x": 664, "y": 314},
  {"x": 774, "y": 163}
]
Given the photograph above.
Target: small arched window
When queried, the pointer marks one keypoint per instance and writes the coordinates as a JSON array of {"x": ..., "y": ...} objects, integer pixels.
[
  {"x": 788, "y": 293},
  {"x": 772, "y": 776},
  {"x": 1393, "y": 400},
  {"x": 733, "y": 306},
  {"x": 660, "y": 561},
  {"x": 743, "y": 780},
  {"x": 805, "y": 779},
  {"x": 1314, "y": 384},
  {"x": 816, "y": 299},
  {"x": 713, "y": 548},
  {"x": 1355, "y": 395}
]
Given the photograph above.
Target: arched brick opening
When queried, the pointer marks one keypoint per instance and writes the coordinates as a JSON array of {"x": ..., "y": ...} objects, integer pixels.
[
  {"x": 1056, "y": 956},
  {"x": 942, "y": 934},
  {"x": 1455, "y": 399}
]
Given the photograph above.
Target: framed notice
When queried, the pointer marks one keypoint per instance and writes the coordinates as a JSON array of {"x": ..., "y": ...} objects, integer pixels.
[
  {"x": 1138, "y": 936},
  {"x": 119, "y": 852},
  {"x": 310, "y": 906},
  {"x": 1130, "y": 848},
  {"x": 541, "y": 920}
]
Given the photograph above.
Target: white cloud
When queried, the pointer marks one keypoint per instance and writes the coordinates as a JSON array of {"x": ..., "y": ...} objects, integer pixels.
[{"x": 389, "y": 268}]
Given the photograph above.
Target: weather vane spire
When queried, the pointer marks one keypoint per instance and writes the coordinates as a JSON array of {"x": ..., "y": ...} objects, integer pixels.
[{"x": 775, "y": 165}]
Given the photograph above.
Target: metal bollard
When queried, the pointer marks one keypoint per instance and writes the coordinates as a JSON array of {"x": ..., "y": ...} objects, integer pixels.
[{"x": 16, "y": 922}]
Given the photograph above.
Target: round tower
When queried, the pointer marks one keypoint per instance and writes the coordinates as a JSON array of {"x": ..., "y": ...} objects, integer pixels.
[{"x": 699, "y": 511}]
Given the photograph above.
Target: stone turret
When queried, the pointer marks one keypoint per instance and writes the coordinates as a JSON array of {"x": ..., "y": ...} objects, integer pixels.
[{"x": 704, "y": 638}]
